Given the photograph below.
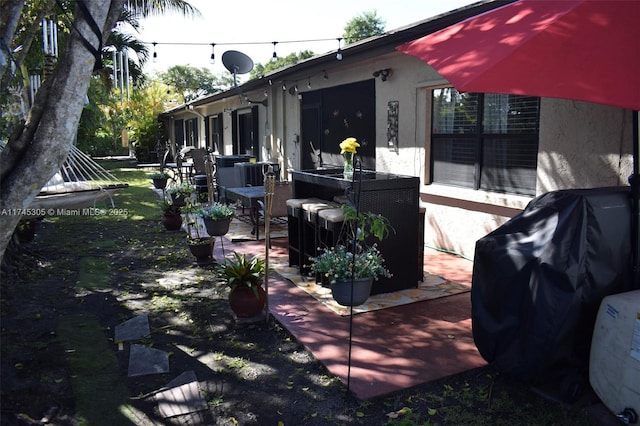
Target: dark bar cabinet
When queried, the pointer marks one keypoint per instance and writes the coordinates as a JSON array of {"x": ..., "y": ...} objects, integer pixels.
[{"x": 394, "y": 196}]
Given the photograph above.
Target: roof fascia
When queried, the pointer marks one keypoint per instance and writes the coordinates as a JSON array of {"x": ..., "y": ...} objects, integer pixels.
[{"x": 355, "y": 52}]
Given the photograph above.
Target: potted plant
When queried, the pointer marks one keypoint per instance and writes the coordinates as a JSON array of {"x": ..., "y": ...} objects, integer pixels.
[
  {"x": 200, "y": 244},
  {"x": 355, "y": 262},
  {"x": 244, "y": 276},
  {"x": 180, "y": 192},
  {"x": 171, "y": 217},
  {"x": 217, "y": 217},
  {"x": 159, "y": 179}
]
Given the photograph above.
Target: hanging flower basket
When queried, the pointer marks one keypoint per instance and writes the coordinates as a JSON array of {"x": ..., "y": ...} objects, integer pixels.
[
  {"x": 341, "y": 291},
  {"x": 178, "y": 200},
  {"x": 202, "y": 249},
  {"x": 217, "y": 218},
  {"x": 159, "y": 180},
  {"x": 217, "y": 228}
]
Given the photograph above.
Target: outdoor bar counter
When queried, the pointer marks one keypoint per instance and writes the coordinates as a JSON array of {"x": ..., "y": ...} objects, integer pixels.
[{"x": 393, "y": 196}]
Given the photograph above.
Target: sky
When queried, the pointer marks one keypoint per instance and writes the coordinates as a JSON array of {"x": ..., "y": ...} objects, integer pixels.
[{"x": 251, "y": 21}]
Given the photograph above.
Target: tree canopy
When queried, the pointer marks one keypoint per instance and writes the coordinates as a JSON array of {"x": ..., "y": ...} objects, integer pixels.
[
  {"x": 362, "y": 26},
  {"x": 191, "y": 83}
]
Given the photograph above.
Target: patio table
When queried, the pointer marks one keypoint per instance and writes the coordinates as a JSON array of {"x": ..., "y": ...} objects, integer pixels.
[{"x": 248, "y": 197}]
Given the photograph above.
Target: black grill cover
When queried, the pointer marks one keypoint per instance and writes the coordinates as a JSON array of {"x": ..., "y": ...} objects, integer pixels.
[{"x": 538, "y": 281}]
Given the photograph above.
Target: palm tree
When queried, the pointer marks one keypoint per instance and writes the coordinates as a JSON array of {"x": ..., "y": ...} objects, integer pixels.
[
  {"x": 36, "y": 149},
  {"x": 120, "y": 40}
]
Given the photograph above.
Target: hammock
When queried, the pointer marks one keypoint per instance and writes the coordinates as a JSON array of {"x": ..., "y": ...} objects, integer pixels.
[{"x": 80, "y": 183}]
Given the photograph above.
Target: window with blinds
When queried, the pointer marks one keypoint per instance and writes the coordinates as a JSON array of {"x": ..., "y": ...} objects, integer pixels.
[{"x": 485, "y": 141}]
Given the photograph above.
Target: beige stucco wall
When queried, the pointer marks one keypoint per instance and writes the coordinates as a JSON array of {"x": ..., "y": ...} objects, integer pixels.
[{"x": 582, "y": 145}]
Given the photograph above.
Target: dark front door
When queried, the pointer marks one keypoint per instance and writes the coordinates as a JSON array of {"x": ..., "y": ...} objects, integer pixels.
[{"x": 334, "y": 114}]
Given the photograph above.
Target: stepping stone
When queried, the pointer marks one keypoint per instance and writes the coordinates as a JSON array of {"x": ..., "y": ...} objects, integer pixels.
[
  {"x": 144, "y": 360},
  {"x": 177, "y": 279},
  {"x": 182, "y": 397},
  {"x": 134, "y": 329}
]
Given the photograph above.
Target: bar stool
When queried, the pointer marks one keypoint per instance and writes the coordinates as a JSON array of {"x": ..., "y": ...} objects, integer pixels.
[
  {"x": 295, "y": 223},
  {"x": 341, "y": 199},
  {"x": 311, "y": 237},
  {"x": 330, "y": 224}
]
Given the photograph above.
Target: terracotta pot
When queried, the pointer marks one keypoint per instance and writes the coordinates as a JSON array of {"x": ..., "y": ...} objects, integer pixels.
[
  {"x": 172, "y": 221},
  {"x": 341, "y": 291},
  {"x": 245, "y": 304},
  {"x": 217, "y": 228}
]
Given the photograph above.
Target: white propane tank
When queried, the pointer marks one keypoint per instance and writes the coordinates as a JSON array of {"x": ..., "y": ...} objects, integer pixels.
[{"x": 614, "y": 364}]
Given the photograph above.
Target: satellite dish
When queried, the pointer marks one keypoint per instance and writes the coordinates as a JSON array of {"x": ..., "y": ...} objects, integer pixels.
[{"x": 237, "y": 63}]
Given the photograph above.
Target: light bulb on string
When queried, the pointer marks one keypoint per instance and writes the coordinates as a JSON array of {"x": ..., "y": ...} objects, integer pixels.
[
  {"x": 274, "y": 58},
  {"x": 155, "y": 54},
  {"x": 339, "y": 54},
  {"x": 213, "y": 53}
]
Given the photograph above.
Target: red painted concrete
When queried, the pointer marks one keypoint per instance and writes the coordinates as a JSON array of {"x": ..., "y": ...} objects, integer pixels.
[{"x": 392, "y": 349}]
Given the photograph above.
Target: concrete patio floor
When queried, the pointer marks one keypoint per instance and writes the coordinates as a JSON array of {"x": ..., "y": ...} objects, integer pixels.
[{"x": 391, "y": 349}]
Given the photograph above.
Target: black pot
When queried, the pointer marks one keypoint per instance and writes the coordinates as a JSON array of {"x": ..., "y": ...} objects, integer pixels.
[
  {"x": 178, "y": 201},
  {"x": 202, "y": 249},
  {"x": 217, "y": 228},
  {"x": 160, "y": 183},
  {"x": 341, "y": 291}
]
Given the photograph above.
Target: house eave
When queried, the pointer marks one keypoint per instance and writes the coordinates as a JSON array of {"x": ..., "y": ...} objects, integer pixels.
[{"x": 371, "y": 47}]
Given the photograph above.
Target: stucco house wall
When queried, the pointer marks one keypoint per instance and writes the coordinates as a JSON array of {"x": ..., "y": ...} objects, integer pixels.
[{"x": 581, "y": 145}]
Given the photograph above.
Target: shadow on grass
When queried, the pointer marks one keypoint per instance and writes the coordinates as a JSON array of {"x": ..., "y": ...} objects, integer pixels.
[{"x": 248, "y": 374}]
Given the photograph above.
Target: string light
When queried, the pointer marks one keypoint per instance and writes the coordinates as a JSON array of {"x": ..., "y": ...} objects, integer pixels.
[{"x": 274, "y": 57}]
